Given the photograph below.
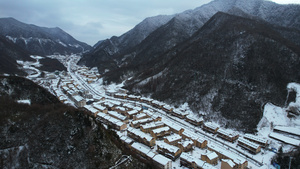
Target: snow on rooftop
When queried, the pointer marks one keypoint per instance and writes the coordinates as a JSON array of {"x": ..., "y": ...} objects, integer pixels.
[
  {"x": 211, "y": 125},
  {"x": 91, "y": 108},
  {"x": 139, "y": 133},
  {"x": 173, "y": 137},
  {"x": 227, "y": 153},
  {"x": 117, "y": 115},
  {"x": 256, "y": 138},
  {"x": 227, "y": 133},
  {"x": 285, "y": 139},
  {"x": 166, "y": 146},
  {"x": 142, "y": 121},
  {"x": 291, "y": 130},
  {"x": 249, "y": 143},
  {"x": 159, "y": 130},
  {"x": 141, "y": 147},
  {"x": 229, "y": 162},
  {"x": 162, "y": 159},
  {"x": 99, "y": 107},
  {"x": 78, "y": 98},
  {"x": 212, "y": 156},
  {"x": 141, "y": 115},
  {"x": 152, "y": 124},
  {"x": 132, "y": 112},
  {"x": 194, "y": 117},
  {"x": 185, "y": 143}
]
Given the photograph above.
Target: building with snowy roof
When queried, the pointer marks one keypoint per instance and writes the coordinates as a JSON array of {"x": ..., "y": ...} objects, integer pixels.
[
  {"x": 168, "y": 150},
  {"x": 176, "y": 128},
  {"x": 251, "y": 146},
  {"x": 173, "y": 139},
  {"x": 140, "y": 116},
  {"x": 179, "y": 114},
  {"x": 140, "y": 136},
  {"x": 210, "y": 127},
  {"x": 225, "y": 154},
  {"x": 120, "y": 95},
  {"x": 160, "y": 132},
  {"x": 227, "y": 135},
  {"x": 227, "y": 164},
  {"x": 133, "y": 97},
  {"x": 211, "y": 158},
  {"x": 142, "y": 150},
  {"x": 157, "y": 104},
  {"x": 192, "y": 119},
  {"x": 79, "y": 101},
  {"x": 162, "y": 162},
  {"x": 146, "y": 100},
  {"x": 121, "y": 110},
  {"x": 258, "y": 140},
  {"x": 186, "y": 145},
  {"x": 191, "y": 162},
  {"x": 100, "y": 108},
  {"x": 151, "y": 126},
  {"x": 118, "y": 116}
]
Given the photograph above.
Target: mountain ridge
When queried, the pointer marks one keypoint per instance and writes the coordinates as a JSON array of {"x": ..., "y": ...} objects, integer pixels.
[{"x": 40, "y": 40}]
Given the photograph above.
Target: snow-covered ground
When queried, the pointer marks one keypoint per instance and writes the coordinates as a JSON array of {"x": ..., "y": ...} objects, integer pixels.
[{"x": 272, "y": 116}]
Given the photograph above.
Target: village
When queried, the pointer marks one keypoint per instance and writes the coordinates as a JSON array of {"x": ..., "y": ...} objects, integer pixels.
[{"x": 161, "y": 134}]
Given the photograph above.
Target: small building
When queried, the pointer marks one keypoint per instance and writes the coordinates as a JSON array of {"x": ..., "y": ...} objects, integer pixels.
[
  {"x": 200, "y": 142},
  {"x": 130, "y": 114},
  {"x": 258, "y": 140},
  {"x": 160, "y": 132},
  {"x": 186, "y": 145},
  {"x": 210, "y": 127},
  {"x": 120, "y": 95},
  {"x": 162, "y": 162},
  {"x": 168, "y": 150},
  {"x": 79, "y": 101},
  {"x": 226, "y": 135},
  {"x": 143, "y": 151},
  {"x": 118, "y": 116},
  {"x": 157, "y": 104},
  {"x": 176, "y": 128},
  {"x": 227, "y": 164},
  {"x": 225, "y": 154},
  {"x": 121, "y": 110},
  {"x": 139, "y": 116},
  {"x": 167, "y": 108},
  {"x": 146, "y": 100},
  {"x": 211, "y": 158},
  {"x": 192, "y": 119},
  {"x": 133, "y": 98},
  {"x": 150, "y": 126},
  {"x": 252, "y": 147},
  {"x": 173, "y": 139},
  {"x": 100, "y": 108},
  {"x": 179, "y": 114},
  {"x": 137, "y": 123},
  {"x": 140, "y": 136}
]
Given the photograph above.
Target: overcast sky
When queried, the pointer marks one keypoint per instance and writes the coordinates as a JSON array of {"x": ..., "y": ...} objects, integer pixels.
[{"x": 93, "y": 20}]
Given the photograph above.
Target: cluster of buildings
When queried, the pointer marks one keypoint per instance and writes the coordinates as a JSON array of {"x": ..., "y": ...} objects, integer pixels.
[
  {"x": 90, "y": 75},
  {"x": 159, "y": 143},
  {"x": 249, "y": 142}
]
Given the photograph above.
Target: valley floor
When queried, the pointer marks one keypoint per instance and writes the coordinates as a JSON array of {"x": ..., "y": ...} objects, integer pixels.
[{"x": 197, "y": 140}]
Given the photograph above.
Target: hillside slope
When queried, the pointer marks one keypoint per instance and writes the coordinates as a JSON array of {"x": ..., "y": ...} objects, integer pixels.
[
  {"x": 39, "y": 40},
  {"x": 48, "y": 134},
  {"x": 230, "y": 68}
]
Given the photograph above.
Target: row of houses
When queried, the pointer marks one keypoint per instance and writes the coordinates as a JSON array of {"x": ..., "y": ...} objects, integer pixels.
[{"x": 187, "y": 116}]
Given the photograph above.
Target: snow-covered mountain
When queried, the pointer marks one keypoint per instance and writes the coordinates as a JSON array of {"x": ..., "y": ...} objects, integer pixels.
[
  {"x": 40, "y": 40},
  {"x": 228, "y": 64},
  {"x": 134, "y": 46}
]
